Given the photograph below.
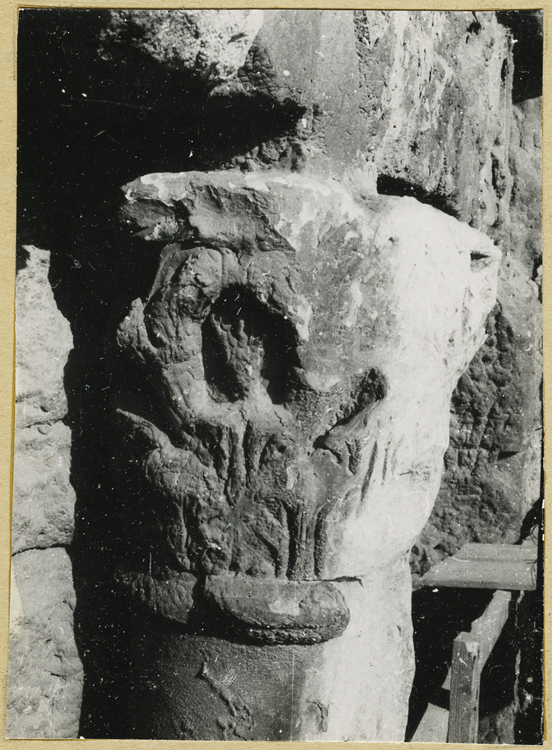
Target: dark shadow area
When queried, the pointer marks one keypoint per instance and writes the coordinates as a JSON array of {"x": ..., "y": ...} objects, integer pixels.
[
  {"x": 87, "y": 123},
  {"x": 529, "y": 719},
  {"x": 236, "y": 314},
  {"x": 511, "y": 695},
  {"x": 387, "y": 185},
  {"x": 438, "y": 616},
  {"x": 498, "y": 684},
  {"x": 526, "y": 28}
]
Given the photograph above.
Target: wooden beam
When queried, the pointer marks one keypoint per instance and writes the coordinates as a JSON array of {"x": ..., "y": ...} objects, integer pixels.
[
  {"x": 464, "y": 690},
  {"x": 511, "y": 567},
  {"x": 469, "y": 655},
  {"x": 526, "y": 552},
  {"x": 488, "y": 627}
]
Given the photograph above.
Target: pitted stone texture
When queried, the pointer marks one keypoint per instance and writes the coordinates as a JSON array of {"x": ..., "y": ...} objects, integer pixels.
[
  {"x": 299, "y": 347},
  {"x": 43, "y": 497},
  {"x": 493, "y": 465},
  {"x": 283, "y": 396},
  {"x": 310, "y": 57},
  {"x": 45, "y": 680},
  {"x": 210, "y": 44},
  {"x": 490, "y": 451},
  {"x": 407, "y": 112},
  {"x": 45, "y": 672},
  {"x": 523, "y": 231},
  {"x": 171, "y": 597},
  {"x": 43, "y": 342},
  {"x": 436, "y": 91}
]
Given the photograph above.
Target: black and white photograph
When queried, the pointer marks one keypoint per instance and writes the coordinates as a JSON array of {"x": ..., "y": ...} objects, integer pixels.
[{"x": 278, "y": 443}]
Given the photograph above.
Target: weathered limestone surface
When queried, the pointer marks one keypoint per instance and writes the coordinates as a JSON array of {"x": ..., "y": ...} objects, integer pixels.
[
  {"x": 45, "y": 679},
  {"x": 45, "y": 338},
  {"x": 306, "y": 58},
  {"x": 43, "y": 498},
  {"x": 284, "y": 407},
  {"x": 493, "y": 465},
  {"x": 45, "y": 672},
  {"x": 409, "y": 114},
  {"x": 210, "y": 44},
  {"x": 431, "y": 128},
  {"x": 525, "y": 158},
  {"x": 520, "y": 289},
  {"x": 245, "y": 321},
  {"x": 235, "y": 690},
  {"x": 518, "y": 717},
  {"x": 492, "y": 477}
]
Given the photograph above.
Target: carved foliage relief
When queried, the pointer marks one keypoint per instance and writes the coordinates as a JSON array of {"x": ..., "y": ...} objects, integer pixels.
[{"x": 283, "y": 393}]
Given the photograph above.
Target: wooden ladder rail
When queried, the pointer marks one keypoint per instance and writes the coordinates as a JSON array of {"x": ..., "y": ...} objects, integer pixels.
[{"x": 470, "y": 653}]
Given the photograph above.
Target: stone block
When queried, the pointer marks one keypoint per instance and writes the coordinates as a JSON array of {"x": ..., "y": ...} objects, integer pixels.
[
  {"x": 435, "y": 87},
  {"x": 209, "y": 44},
  {"x": 45, "y": 672},
  {"x": 43, "y": 497},
  {"x": 43, "y": 342}
]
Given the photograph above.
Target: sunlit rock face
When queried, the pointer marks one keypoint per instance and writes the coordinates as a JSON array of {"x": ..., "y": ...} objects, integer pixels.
[
  {"x": 45, "y": 674},
  {"x": 282, "y": 396},
  {"x": 209, "y": 44}
]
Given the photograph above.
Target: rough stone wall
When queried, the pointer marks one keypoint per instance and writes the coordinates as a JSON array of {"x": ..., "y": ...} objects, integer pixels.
[
  {"x": 419, "y": 127},
  {"x": 434, "y": 134},
  {"x": 45, "y": 672},
  {"x": 493, "y": 465},
  {"x": 492, "y": 485},
  {"x": 472, "y": 152}
]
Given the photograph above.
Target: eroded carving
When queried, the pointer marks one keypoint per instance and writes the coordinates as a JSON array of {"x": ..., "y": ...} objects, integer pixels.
[{"x": 284, "y": 399}]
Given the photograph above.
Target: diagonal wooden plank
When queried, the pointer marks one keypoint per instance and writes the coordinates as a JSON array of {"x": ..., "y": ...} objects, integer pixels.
[
  {"x": 470, "y": 653},
  {"x": 464, "y": 690}
]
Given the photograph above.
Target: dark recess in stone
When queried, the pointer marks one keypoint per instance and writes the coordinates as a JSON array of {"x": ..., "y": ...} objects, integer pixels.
[
  {"x": 475, "y": 26},
  {"x": 526, "y": 28},
  {"x": 238, "y": 313},
  {"x": 21, "y": 258},
  {"x": 387, "y": 185}
]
